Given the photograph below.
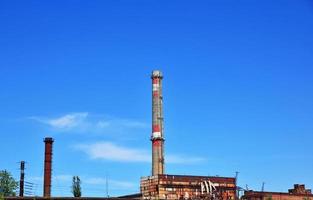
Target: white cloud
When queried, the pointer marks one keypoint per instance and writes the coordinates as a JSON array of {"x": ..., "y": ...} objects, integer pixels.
[
  {"x": 67, "y": 121},
  {"x": 112, "y": 152},
  {"x": 103, "y": 124},
  {"x": 85, "y": 122}
]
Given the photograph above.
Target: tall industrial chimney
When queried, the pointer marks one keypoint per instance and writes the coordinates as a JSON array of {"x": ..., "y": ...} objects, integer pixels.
[
  {"x": 47, "y": 167},
  {"x": 22, "y": 168},
  {"x": 157, "y": 137}
]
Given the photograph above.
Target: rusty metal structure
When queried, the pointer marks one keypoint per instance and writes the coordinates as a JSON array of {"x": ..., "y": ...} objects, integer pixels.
[
  {"x": 297, "y": 193},
  {"x": 188, "y": 187},
  {"x": 47, "y": 167},
  {"x": 157, "y": 136},
  {"x": 22, "y": 175}
]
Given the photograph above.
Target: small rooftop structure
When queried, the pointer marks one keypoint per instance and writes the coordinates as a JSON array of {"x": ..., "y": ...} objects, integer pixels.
[{"x": 297, "y": 193}]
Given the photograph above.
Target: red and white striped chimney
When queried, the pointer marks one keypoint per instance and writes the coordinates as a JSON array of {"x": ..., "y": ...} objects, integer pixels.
[{"x": 157, "y": 136}]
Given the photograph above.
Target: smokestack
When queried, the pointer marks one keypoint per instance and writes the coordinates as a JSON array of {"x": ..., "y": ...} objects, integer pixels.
[
  {"x": 47, "y": 167},
  {"x": 22, "y": 168},
  {"x": 157, "y": 137}
]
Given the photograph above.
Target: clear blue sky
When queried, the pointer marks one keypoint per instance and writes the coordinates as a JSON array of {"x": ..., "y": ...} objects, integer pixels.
[{"x": 238, "y": 82}]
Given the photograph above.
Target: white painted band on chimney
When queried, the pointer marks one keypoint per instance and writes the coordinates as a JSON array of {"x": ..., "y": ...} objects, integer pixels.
[
  {"x": 156, "y": 134},
  {"x": 155, "y": 87}
]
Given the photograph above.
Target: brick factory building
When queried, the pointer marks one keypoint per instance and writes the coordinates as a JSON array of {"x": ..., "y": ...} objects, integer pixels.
[
  {"x": 188, "y": 187},
  {"x": 297, "y": 193}
]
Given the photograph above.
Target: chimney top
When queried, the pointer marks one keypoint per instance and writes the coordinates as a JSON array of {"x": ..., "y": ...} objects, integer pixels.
[
  {"x": 156, "y": 74},
  {"x": 48, "y": 139}
]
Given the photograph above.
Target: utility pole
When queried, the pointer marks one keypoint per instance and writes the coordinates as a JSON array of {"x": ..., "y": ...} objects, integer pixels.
[
  {"x": 263, "y": 184},
  {"x": 106, "y": 185},
  {"x": 237, "y": 188},
  {"x": 22, "y": 168},
  {"x": 236, "y": 177},
  {"x": 106, "y": 188}
]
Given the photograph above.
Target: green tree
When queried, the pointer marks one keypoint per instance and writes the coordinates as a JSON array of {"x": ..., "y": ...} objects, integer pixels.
[
  {"x": 7, "y": 184},
  {"x": 76, "y": 189}
]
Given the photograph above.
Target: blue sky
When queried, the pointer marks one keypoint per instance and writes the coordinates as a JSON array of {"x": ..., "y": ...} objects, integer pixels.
[{"x": 237, "y": 90}]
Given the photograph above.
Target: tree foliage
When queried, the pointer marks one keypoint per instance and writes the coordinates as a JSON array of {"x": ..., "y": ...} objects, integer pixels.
[
  {"x": 7, "y": 184},
  {"x": 76, "y": 189}
]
